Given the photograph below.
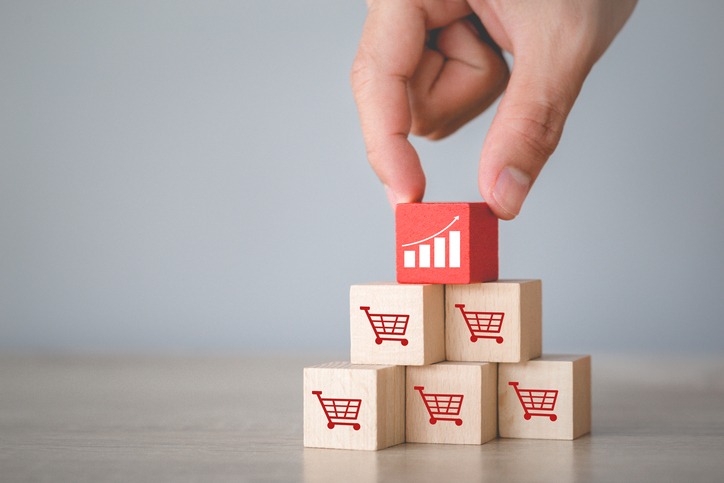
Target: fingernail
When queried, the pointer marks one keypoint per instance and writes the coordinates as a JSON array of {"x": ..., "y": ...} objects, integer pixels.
[
  {"x": 511, "y": 189},
  {"x": 391, "y": 197}
]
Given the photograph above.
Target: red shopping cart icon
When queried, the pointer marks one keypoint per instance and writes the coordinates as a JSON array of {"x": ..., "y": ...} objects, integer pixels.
[
  {"x": 442, "y": 406},
  {"x": 339, "y": 412},
  {"x": 543, "y": 400},
  {"x": 388, "y": 326},
  {"x": 482, "y": 324}
]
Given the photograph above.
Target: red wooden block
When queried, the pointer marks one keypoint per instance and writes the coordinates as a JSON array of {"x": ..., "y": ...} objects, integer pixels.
[{"x": 446, "y": 243}]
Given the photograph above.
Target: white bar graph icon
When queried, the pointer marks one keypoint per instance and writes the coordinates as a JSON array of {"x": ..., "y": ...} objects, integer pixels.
[
  {"x": 439, "y": 252},
  {"x": 454, "y": 249},
  {"x": 424, "y": 251},
  {"x": 409, "y": 260},
  {"x": 445, "y": 250}
]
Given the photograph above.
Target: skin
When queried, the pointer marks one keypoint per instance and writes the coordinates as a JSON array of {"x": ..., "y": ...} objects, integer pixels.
[{"x": 403, "y": 87}]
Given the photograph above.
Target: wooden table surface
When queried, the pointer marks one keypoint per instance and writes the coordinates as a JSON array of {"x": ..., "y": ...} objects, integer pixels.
[{"x": 158, "y": 418}]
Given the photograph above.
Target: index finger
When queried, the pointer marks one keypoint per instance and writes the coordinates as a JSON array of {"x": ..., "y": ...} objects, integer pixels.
[{"x": 390, "y": 48}]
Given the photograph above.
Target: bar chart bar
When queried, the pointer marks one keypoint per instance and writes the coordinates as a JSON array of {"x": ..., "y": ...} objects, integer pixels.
[
  {"x": 454, "y": 249},
  {"x": 439, "y": 257},
  {"x": 424, "y": 256},
  {"x": 409, "y": 260}
]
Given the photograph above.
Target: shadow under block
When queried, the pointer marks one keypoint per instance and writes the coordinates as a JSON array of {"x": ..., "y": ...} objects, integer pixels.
[
  {"x": 446, "y": 243},
  {"x": 529, "y": 407},
  {"x": 451, "y": 402},
  {"x": 350, "y": 406},
  {"x": 494, "y": 321},
  {"x": 397, "y": 324}
]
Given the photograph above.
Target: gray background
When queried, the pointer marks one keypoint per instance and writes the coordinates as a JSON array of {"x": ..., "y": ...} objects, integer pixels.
[{"x": 190, "y": 176}]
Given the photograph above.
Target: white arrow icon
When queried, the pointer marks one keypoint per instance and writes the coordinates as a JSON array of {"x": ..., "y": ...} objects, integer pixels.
[{"x": 433, "y": 236}]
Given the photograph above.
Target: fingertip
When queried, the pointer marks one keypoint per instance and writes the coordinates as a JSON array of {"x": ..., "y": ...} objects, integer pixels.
[
  {"x": 498, "y": 210},
  {"x": 398, "y": 168},
  {"x": 510, "y": 190},
  {"x": 507, "y": 192},
  {"x": 391, "y": 196},
  {"x": 412, "y": 191}
]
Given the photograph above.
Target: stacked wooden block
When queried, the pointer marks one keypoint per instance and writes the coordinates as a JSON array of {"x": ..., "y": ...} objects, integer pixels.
[{"x": 449, "y": 353}]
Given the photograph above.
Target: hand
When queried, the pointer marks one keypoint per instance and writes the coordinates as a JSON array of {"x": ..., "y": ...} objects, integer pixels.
[{"x": 401, "y": 86}]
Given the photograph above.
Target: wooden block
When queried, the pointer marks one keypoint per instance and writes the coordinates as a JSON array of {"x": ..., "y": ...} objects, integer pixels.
[
  {"x": 451, "y": 402},
  {"x": 546, "y": 398},
  {"x": 349, "y": 406},
  {"x": 494, "y": 321},
  {"x": 446, "y": 243},
  {"x": 397, "y": 324}
]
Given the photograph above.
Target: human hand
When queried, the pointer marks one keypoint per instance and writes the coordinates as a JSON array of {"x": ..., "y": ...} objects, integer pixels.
[{"x": 402, "y": 87}]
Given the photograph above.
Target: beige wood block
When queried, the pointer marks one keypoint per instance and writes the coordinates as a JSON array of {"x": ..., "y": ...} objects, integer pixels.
[
  {"x": 528, "y": 390},
  {"x": 394, "y": 323},
  {"x": 494, "y": 321},
  {"x": 349, "y": 406},
  {"x": 451, "y": 402}
]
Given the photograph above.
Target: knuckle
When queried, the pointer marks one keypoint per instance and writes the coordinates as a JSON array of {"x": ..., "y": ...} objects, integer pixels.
[
  {"x": 362, "y": 71},
  {"x": 540, "y": 128},
  {"x": 424, "y": 126},
  {"x": 420, "y": 128},
  {"x": 436, "y": 135},
  {"x": 359, "y": 74},
  {"x": 427, "y": 120}
]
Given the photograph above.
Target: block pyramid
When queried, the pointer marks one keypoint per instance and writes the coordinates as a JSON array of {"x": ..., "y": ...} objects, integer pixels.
[{"x": 448, "y": 353}]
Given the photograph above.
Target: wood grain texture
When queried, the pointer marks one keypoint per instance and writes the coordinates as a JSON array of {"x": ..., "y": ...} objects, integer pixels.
[
  {"x": 423, "y": 341},
  {"x": 562, "y": 415},
  {"x": 518, "y": 302},
  {"x": 86, "y": 418},
  {"x": 471, "y": 387},
  {"x": 349, "y": 406}
]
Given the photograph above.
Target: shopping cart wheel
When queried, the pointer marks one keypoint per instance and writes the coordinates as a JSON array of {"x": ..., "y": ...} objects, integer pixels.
[
  {"x": 330, "y": 425},
  {"x": 553, "y": 417},
  {"x": 499, "y": 340},
  {"x": 404, "y": 342},
  {"x": 458, "y": 422},
  {"x": 356, "y": 426},
  {"x": 378, "y": 341},
  {"x": 433, "y": 420},
  {"x": 527, "y": 416},
  {"x": 473, "y": 338}
]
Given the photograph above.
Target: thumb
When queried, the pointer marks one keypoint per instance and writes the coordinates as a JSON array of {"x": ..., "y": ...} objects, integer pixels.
[{"x": 525, "y": 131}]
